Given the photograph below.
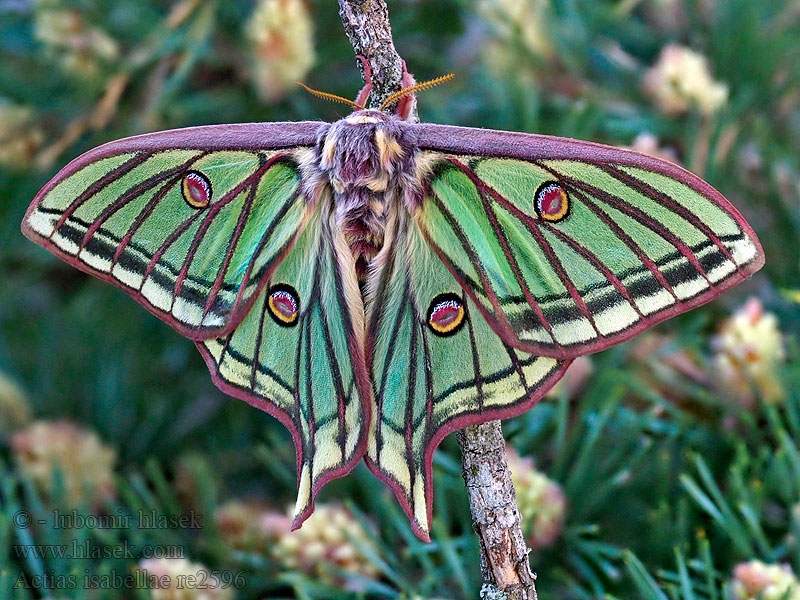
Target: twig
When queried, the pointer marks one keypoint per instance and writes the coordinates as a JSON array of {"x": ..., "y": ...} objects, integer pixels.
[
  {"x": 504, "y": 554},
  {"x": 366, "y": 23},
  {"x": 496, "y": 518},
  {"x": 98, "y": 118}
]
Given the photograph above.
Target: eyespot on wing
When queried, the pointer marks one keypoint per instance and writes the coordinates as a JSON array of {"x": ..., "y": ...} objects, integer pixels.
[
  {"x": 552, "y": 202},
  {"x": 284, "y": 305},
  {"x": 446, "y": 314},
  {"x": 196, "y": 189}
]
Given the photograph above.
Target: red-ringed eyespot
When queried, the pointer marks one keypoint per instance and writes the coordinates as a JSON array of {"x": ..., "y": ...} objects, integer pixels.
[
  {"x": 446, "y": 314},
  {"x": 552, "y": 202},
  {"x": 284, "y": 305},
  {"x": 196, "y": 189}
]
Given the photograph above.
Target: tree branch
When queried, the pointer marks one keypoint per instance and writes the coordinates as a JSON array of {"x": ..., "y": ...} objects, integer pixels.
[
  {"x": 504, "y": 554},
  {"x": 495, "y": 515},
  {"x": 366, "y": 23}
]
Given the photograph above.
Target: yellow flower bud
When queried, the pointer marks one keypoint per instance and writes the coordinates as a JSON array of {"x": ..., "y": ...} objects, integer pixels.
[
  {"x": 541, "y": 501},
  {"x": 179, "y": 579},
  {"x": 756, "y": 580},
  {"x": 332, "y": 536},
  {"x": 14, "y": 407},
  {"x": 20, "y": 136},
  {"x": 80, "y": 47},
  {"x": 681, "y": 80},
  {"x": 282, "y": 46},
  {"x": 748, "y": 351},
  {"x": 85, "y": 464}
]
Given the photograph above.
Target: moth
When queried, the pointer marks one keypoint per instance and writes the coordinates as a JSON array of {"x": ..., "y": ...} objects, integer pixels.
[{"x": 376, "y": 283}]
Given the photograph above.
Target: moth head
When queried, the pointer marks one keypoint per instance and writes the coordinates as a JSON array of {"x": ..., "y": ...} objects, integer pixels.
[
  {"x": 367, "y": 116},
  {"x": 366, "y": 149}
]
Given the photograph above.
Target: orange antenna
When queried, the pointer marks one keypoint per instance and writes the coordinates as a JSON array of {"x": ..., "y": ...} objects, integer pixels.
[
  {"x": 415, "y": 88},
  {"x": 331, "y": 97}
]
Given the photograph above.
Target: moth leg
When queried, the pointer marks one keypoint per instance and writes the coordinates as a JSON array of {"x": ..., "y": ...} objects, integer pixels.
[
  {"x": 363, "y": 95},
  {"x": 407, "y": 106}
]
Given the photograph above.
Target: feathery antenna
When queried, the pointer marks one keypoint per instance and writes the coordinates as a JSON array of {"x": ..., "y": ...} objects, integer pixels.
[
  {"x": 331, "y": 97},
  {"x": 389, "y": 101},
  {"x": 415, "y": 88}
]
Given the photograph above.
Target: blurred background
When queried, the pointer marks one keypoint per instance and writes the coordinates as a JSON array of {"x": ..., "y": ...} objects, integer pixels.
[{"x": 667, "y": 468}]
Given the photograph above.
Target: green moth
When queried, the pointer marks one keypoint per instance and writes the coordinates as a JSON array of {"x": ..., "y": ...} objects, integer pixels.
[{"x": 376, "y": 283}]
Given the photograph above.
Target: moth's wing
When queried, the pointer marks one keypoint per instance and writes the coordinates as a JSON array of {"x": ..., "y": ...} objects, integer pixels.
[
  {"x": 635, "y": 240},
  {"x": 120, "y": 212},
  {"x": 426, "y": 382},
  {"x": 307, "y": 371}
]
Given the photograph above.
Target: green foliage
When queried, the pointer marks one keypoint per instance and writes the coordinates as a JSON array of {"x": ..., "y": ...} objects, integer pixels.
[{"x": 670, "y": 482}]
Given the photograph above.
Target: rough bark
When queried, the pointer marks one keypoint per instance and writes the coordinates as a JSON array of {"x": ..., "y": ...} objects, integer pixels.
[
  {"x": 504, "y": 554},
  {"x": 496, "y": 518},
  {"x": 366, "y": 23}
]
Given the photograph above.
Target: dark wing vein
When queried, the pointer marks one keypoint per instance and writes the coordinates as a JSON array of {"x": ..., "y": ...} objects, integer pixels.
[
  {"x": 98, "y": 185},
  {"x": 635, "y": 213}
]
